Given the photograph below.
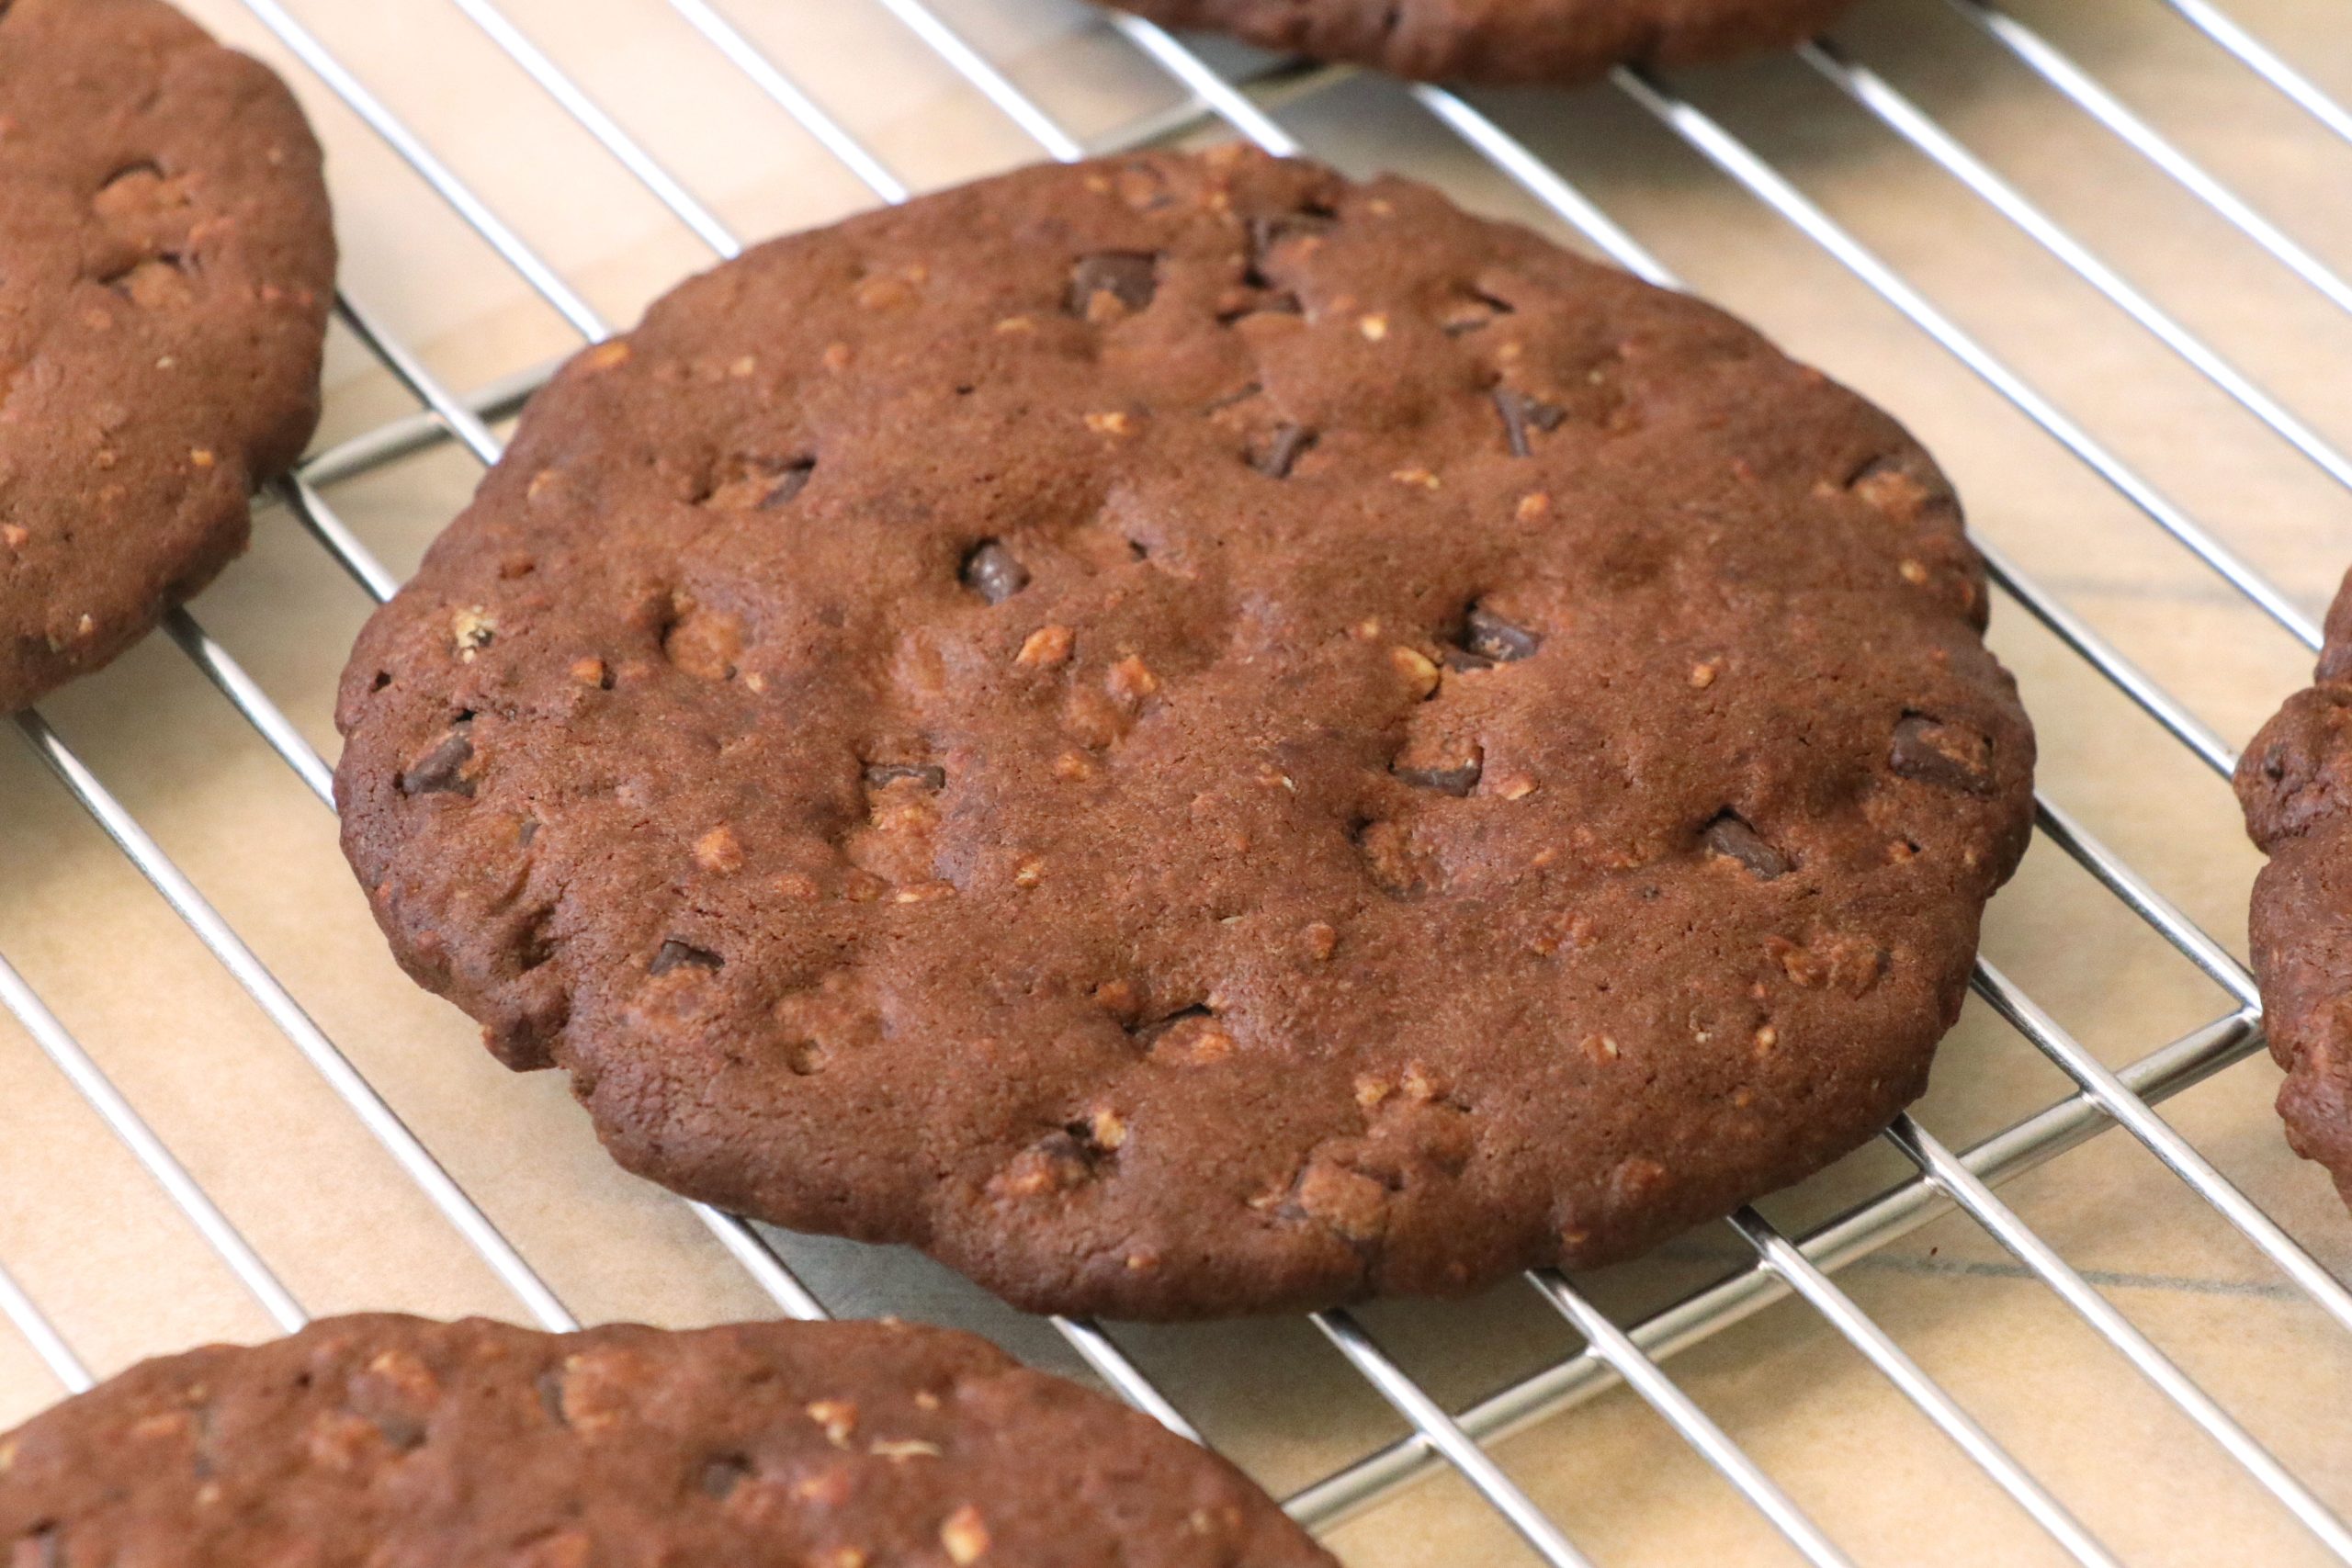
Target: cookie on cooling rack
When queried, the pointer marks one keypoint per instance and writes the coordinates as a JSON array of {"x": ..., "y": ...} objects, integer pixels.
[
  {"x": 2295, "y": 782},
  {"x": 1196, "y": 738},
  {"x": 1504, "y": 40},
  {"x": 166, "y": 262},
  {"x": 394, "y": 1442}
]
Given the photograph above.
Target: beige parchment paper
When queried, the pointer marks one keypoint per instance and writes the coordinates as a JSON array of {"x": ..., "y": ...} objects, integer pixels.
[{"x": 123, "y": 1276}]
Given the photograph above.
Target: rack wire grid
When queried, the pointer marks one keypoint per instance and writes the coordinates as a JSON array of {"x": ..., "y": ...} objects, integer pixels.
[{"x": 1727, "y": 135}]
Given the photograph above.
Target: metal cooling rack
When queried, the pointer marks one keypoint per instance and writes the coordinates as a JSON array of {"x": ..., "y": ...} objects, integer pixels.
[{"x": 1251, "y": 104}]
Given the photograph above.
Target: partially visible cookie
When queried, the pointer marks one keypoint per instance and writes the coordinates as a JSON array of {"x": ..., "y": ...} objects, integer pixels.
[
  {"x": 166, "y": 264},
  {"x": 1193, "y": 736},
  {"x": 395, "y": 1442},
  {"x": 2295, "y": 782},
  {"x": 1504, "y": 40}
]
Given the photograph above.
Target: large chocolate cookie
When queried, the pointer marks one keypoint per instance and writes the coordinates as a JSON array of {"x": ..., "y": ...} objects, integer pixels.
[
  {"x": 1504, "y": 40},
  {"x": 1193, "y": 737},
  {"x": 393, "y": 1442},
  {"x": 2295, "y": 782},
  {"x": 166, "y": 262}
]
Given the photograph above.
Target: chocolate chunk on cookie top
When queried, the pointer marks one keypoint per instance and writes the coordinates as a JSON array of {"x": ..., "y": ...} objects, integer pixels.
[
  {"x": 166, "y": 262},
  {"x": 1285, "y": 742},
  {"x": 393, "y": 1442},
  {"x": 1505, "y": 40},
  {"x": 2295, "y": 782}
]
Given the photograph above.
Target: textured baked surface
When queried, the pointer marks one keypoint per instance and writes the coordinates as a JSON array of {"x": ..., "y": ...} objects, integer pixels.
[
  {"x": 2295, "y": 782},
  {"x": 166, "y": 262},
  {"x": 1193, "y": 737},
  {"x": 1505, "y": 40},
  {"x": 394, "y": 1442}
]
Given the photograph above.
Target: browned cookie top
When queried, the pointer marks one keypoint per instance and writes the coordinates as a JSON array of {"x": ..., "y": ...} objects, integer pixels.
[
  {"x": 1504, "y": 40},
  {"x": 1191, "y": 737},
  {"x": 2295, "y": 782},
  {"x": 393, "y": 1442},
  {"x": 166, "y": 262}
]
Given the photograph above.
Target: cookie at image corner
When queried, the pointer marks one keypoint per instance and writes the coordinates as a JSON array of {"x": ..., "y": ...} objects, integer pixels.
[
  {"x": 2294, "y": 782},
  {"x": 1558, "y": 41},
  {"x": 396, "y": 1442},
  {"x": 1194, "y": 738},
  {"x": 166, "y": 264}
]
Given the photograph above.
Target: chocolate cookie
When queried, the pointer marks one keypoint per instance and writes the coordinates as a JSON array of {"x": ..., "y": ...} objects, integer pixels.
[
  {"x": 1191, "y": 738},
  {"x": 2295, "y": 782},
  {"x": 393, "y": 1442},
  {"x": 1505, "y": 40},
  {"x": 166, "y": 262}
]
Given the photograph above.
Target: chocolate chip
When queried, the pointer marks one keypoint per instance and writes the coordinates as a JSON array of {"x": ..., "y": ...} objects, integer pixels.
[
  {"x": 1730, "y": 836},
  {"x": 1487, "y": 636},
  {"x": 404, "y": 1432},
  {"x": 1475, "y": 313},
  {"x": 550, "y": 1384},
  {"x": 1949, "y": 755},
  {"x": 1132, "y": 277},
  {"x": 992, "y": 572},
  {"x": 1459, "y": 781},
  {"x": 442, "y": 769},
  {"x": 676, "y": 954},
  {"x": 1283, "y": 303},
  {"x": 1279, "y": 451},
  {"x": 721, "y": 1476},
  {"x": 1522, "y": 413},
  {"x": 880, "y": 775},
  {"x": 1269, "y": 234},
  {"x": 743, "y": 483}
]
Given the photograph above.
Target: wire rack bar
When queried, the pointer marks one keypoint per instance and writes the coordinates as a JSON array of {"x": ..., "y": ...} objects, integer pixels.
[
  {"x": 42, "y": 1335},
  {"x": 91, "y": 1082},
  {"x": 2151, "y": 907},
  {"x": 2264, "y": 62},
  {"x": 1613, "y": 1346},
  {"x": 746, "y": 57},
  {"x": 1444, "y": 1435},
  {"x": 2071, "y": 81},
  {"x": 1962, "y": 1185},
  {"x": 2157, "y": 1135},
  {"x": 1788, "y": 1262},
  {"x": 993, "y": 84},
  {"x": 1899, "y": 113}
]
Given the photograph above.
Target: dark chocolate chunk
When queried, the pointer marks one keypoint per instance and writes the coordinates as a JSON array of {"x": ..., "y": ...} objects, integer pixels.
[
  {"x": 674, "y": 955},
  {"x": 880, "y": 775},
  {"x": 1522, "y": 413},
  {"x": 442, "y": 769},
  {"x": 1487, "y": 636},
  {"x": 1129, "y": 276},
  {"x": 1949, "y": 755},
  {"x": 1458, "y": 781},
  {"x": 1730, "y": 836},
  {"x": 1279, "y": 451},
  {"x": 993, "y": 572}
]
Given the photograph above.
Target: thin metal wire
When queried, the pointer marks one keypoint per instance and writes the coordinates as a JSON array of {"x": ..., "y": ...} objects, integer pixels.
[
  {"x": 992, "y": 83},
  {"x": 746, "y": 57},
  {"x": 1789, "y": 1261},
  {"x": 591, "y": 116},
  {"x": 2264, "y": 62},
  {"x": 250, "y": 973},
  {"x": 246, "y": 693},
  {"x": 2158, "y": 1135},
  {"x": 421, "y": 158},
  {"x": 459, "y": 417},
  {"x": 1440, "y": 1430},
  {"x": 2079, "y": 87},
  {"x": 1905, "y": 118},
  {"x": 1962, "y": 1187},
  {"x": 319, "y": 520},
  {"x": 42, "y": 1335},
  {"x": 2118, "y": 878},
  {"x": 91, "y": 1082},
  {"x": 1233, "y": 105},
  {"x": 1624, "y": 1358},
  {"x": 1733, "y": 156}
]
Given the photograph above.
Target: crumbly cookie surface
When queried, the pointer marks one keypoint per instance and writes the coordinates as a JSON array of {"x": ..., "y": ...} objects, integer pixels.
[
  {"x": 1196, "y": 738},
  {"x": 394, "y": 1442},
  {"x": 2295, "y": 783},
  {"x": 1505, "y": 40},
  {"x": 166, "y": 262}
]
